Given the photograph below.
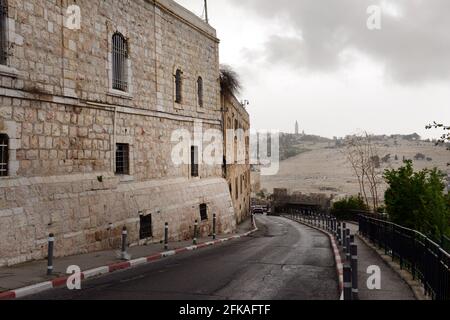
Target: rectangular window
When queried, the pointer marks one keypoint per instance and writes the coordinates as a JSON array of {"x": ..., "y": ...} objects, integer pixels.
[
  {"x": 237, "y": 188},
  {"x": 194, "y": 161},
  {"x": 3, "y": 32},
  {"x": 4, "y": 157},
  {"x": 119, "y": 62},
  {"x": 122, "y": 159},
  {"x": 203, "y": 212},
  {"x": 145, "y": 227}
]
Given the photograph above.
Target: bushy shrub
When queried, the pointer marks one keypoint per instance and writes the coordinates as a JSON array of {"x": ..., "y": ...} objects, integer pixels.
[
  {"x": 416, "y": 200},
  {"x": 349, "y": 208}
]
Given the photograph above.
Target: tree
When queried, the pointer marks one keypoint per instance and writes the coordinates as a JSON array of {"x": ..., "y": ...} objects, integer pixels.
[
  {"x": 445, "y": 138},
  {"x": 344, "y": 209},
  {"x": 416, "y": 200},
  {"x": 362, "y": 154},
  {"x": 230, "y": 84}
]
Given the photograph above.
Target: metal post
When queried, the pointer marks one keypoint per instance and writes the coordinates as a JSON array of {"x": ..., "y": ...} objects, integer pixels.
[
  {"x": 344, "y": 227},
  {"x": 339, "y": 234},
  {"x": 214, "y": 226},
  {"x": 124, "y": 243},
  {"x": 354, "y": 266},
  {"x": 166, "y": 236},
  {"x": 51, "y": 243},
  {"x": 347, "y": 282},
  {"x": 195, "y": 231},
  {"x": 347, "y": 244}
]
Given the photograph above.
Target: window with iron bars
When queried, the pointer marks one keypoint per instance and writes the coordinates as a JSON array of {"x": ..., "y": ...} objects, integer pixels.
[
  {"x": 178, "y": 86},
  {"x": 119, "y": 62},
  {"x": 3, "y": 32},
  {"x": 200, "y": 91},
  {"x": 122, "y": 159},
  {"x": 4, "y": 157}
]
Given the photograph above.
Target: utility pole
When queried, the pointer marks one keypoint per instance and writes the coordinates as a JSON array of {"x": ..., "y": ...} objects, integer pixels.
[{"x": 206, "y": 11}]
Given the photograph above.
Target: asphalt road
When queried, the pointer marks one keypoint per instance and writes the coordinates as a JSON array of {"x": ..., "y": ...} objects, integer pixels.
[{"x": 282, "y": 261}]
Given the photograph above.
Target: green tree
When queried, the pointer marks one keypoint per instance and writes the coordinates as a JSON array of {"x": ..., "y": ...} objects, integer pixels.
[
  {"x": 416, "y": 200},
  {"x": 346, "y": 208}
]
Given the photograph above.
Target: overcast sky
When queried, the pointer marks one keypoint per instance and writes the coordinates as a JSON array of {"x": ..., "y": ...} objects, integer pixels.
[{"x": 317, "y": 62}]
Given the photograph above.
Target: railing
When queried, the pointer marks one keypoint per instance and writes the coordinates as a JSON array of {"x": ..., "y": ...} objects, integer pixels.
[{"x": 425, "y": 259}]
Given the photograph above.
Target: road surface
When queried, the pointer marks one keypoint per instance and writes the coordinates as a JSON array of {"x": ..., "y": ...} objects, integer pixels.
[{"x": 282, "y": 261}]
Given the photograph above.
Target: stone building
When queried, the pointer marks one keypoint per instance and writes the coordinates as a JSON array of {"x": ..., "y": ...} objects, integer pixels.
[
  {"x": 237, "y": 158},
  {"x": 91, "y": 92}
]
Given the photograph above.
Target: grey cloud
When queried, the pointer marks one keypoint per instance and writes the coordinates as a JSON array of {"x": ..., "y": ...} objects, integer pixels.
[{"x": 414, "y": 48}]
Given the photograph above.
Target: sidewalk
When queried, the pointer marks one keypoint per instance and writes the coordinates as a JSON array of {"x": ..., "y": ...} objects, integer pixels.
[
  {"x": 32, "y": 273},
  {"x": 393, "y": 287}
]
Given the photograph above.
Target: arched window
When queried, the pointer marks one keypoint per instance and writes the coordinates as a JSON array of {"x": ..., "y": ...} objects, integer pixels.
[
  {"x": 3, "y": 32},
  {"x": 4, "y": 157},
  {"x": 119, "y": 62},
  {"x": 200, "y": 91}
]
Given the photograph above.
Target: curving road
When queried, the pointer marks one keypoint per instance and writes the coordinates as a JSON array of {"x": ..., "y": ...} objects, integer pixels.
[{"x": 282, "y": 261}]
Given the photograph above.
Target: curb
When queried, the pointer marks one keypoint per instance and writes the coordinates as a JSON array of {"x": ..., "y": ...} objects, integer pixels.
[
  {"x": 336, "y": 253},
  {"x": 61, "y": 282}
]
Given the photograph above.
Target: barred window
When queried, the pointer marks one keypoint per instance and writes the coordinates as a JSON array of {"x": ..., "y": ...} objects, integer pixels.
[
  {"x": 200, "y": 91},
  {"x": 194, "y": 161},
  {"x": 4, "y": 157},
  {"x": 119, "y": 62},
  {"x": 145, "y": 227},
  {"x": 178, "y": 86},
  {"x": 122, "y": 159},
  {"x": 3, "y": 32}
]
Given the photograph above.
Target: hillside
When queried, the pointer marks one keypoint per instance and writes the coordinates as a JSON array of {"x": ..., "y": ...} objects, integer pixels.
[{"x": 324, "y": 169}]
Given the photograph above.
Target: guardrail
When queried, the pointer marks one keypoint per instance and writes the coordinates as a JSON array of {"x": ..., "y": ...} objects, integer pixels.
[
  {"x": 346, "y": 244},
  {"x": 423, "y": 258}
]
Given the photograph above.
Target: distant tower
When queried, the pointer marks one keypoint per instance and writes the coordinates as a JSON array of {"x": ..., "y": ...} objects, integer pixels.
[{"x": 297, "y": 130}]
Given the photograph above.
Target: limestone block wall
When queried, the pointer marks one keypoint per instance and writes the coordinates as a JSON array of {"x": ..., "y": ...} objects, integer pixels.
[
  {"x": 88, "y": 215},
  {"x": 64, "y": 121}
]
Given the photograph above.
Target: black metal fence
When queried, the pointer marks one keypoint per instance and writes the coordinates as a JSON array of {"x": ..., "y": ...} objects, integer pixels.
[{"x": 426, "y": 260}]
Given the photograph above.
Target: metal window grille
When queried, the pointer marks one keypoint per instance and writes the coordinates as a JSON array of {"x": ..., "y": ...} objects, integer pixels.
[
  {"x": 203, "y": 212},
  {"x": 194, "y": 161},
  {"x": 3, "y": 32},
  {"x": 122, "y": 158},
  {"x": 145, "y": 230},
  {"x": 120, "y": 62},
  {"x": 4, "y": 157},
  {"x": 200, "y": 91},
  {"x": 178, "y": 86}
]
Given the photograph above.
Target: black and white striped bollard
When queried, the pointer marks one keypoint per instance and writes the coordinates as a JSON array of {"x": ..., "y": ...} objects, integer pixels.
[
  {"x": 354, "y": 265},
  {"x": 124, "y": 243},
  {"x": 214, "y": 226},
  {"x": 195, "y": 232},
  {"x": 339, "y": 234},
  {"x": 347, "y": 282},
  {"x": 166, "y": 236},
  {"x": 51, "y": 245},
  {"x": 347, "y": 244}
]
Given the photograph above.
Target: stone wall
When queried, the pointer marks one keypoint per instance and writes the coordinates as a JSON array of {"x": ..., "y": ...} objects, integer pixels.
[
  {"x": 63, "y": 120},
  {"x": 237, "y": 145},
  {"x": 87, "y": 213}
]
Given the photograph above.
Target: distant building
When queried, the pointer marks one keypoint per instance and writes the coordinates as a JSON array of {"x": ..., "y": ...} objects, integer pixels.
[{"x": 297, "y": 129}]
